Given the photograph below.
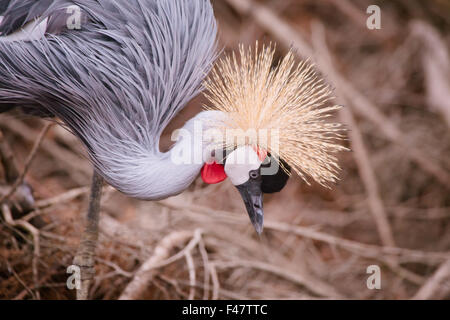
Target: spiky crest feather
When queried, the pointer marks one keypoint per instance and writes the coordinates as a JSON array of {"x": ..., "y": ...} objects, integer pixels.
[{"x": 290, "y": 98}]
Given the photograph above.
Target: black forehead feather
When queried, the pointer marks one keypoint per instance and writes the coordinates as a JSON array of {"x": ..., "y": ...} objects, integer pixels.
[{"x": 275, "y": 183}]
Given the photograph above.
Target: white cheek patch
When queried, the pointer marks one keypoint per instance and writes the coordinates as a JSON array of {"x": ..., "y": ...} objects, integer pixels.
[{"x": 239, "y": 164}]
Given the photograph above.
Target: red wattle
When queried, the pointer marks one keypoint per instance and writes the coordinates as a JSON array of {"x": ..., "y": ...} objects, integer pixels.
[{"x": 213, "y": 173}]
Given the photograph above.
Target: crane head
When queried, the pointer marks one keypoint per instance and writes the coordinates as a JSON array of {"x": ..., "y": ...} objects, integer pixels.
[
  {"x": 244, "y": 167},
  {"x": 284, "y": 100}
]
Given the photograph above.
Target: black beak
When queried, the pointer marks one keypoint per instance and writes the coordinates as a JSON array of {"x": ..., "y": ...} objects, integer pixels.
[{"x": 253, "y": 198}]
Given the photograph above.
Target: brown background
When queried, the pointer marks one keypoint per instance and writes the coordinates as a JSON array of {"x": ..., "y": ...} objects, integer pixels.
[{"x": 391, "y": 207}]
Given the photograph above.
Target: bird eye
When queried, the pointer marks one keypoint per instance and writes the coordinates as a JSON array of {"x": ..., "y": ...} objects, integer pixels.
[{"x": 254, "y": 174}]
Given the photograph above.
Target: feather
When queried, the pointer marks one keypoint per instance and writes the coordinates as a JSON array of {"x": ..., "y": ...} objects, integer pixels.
[
  {"x": 118, "y": 82},
  {"x": 288, "y": 103},
  {"x": 21, "y": 12},
  {"x": 3, "y": 6}
]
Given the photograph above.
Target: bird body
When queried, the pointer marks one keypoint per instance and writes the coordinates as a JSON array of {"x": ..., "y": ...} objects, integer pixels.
[
  {"x": 116, "y": 83},
  {"x": 115, "y": 73}
]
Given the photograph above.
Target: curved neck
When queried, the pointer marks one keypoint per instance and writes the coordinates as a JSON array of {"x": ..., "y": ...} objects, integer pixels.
[{"x": 159, "y": 175}]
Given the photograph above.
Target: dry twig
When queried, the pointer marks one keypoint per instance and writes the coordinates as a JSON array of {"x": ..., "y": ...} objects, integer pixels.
[
  {"x": 362, "y": 249},
  {"x": 439, "y": 280},
  {"x": 159, "y": 259},
  {"x": 28, "y": 162},
  {"x": 35, "y": 234}
]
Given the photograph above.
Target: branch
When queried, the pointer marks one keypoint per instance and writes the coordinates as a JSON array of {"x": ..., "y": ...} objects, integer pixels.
[
  {"x": 314, "y": 285},
  {"x": 159, "y": 259},
  {"x": 192, "y": 276},
  {"x": 34, "y": 233},
  {"x": 360, "y": 153},
  {"x": 362, "y": 249},
  {"x": 80, "y": 168},
  {"x": 7, "y": 159},
  {"x": 28, "y": 162},
  {"x": 436, "y": 62},
  {"x": 436, "y": 282}
]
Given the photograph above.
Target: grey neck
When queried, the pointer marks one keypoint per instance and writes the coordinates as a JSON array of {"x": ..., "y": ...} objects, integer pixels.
[{"x": 162, "y": 175}]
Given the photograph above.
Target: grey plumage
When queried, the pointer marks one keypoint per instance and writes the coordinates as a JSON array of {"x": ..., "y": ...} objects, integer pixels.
[
  {"x": 3, "y": 5},
  {"x": 116, "y": 83},
  {"x": 20, "y": 12}
]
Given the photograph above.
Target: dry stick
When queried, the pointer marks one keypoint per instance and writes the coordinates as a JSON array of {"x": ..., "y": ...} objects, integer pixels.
[
  {"x": 35, "y": 234},
  {"x": 316, "y": 287},
  {"x": 159, "y": 259},
  {"x": 24, "y": 292},
  {"x": 365, "y": 108},
  {"x": 360, "y": 153},
  {"x": 62, "y": 198},
  {"x": 161, "y": 288},
  {"x": 9, "y": 165},
  {"x": 298, "y": 272},
  {"x": 363, "y": 161},
  {"x": 119, "y": 232},
  {"x": 192, "y": 275},
  {"x": 80, "y": 170},
  {"x": 436, "y": 282},
  {"x": 270, "y": 22},
  {"x": 7, "y": 159},
  {"x": 68, "y": 196},
  {"x": 353, "y": 12},
  {"x": 26, "y": 288},
  {"x": 288, "y": 37},
  {"x": 215, "y": 281},
  {"x": 118, "y": 270},
  {"x": 362, "y": 249},
  {"x": 21, "y": 197},
  {"x": 28, "y": 162},
  {"x": 368, "y": 177},
  {"x": 206, "y": 269},
  {"x": 436, "y": 64},
  {"x": 173, "y": 283},
  {"x": 225, "y": 293}
]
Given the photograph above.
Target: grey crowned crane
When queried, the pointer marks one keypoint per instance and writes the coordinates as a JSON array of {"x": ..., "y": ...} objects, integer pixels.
[{"x": 115, "y": 73}]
